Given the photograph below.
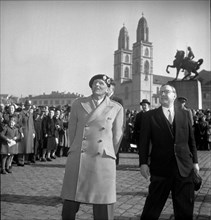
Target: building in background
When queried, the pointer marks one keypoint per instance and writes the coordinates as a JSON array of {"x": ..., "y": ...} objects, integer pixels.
[
  {"x": 205, "y": 79},
  {"x": 53, "y": 99},
  {"x": 133, "y": 71}
]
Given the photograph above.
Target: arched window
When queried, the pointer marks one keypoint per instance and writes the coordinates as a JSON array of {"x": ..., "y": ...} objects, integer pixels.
[
  {"x": 146, "y": 70},
  {"x": 126, "y": 72},
  {"x": 126, "y": 93},
  {"x": 127, "y": 58},
  {"x": 146, "y": 53}
]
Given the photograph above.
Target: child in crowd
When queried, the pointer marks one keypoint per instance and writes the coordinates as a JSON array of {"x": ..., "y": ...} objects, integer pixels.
[{"x": 9, "y": 135}]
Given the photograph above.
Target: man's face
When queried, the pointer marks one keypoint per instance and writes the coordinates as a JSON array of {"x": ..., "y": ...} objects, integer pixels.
[
  {"x": 99, "y": 87},
  {"x": 57, "y": 114},
  {"x": 145, "y": 107},
  {"x": 167, "y": 96},
  {"x": 12, "y": 123},
  {"x": 51, "y": 113},
  {"x": 11, "y": 109}
]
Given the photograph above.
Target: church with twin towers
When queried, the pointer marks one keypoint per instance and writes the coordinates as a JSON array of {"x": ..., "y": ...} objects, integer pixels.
[{"x": 133, "y": 69}]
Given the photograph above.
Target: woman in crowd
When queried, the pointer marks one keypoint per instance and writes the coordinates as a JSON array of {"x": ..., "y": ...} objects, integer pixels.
[{"x": 8, "y": 136}]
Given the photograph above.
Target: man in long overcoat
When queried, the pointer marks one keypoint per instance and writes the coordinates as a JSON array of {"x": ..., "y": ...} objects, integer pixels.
[
  {"x": 95, "y": 132},
  {"x": 26, "y": 145}
]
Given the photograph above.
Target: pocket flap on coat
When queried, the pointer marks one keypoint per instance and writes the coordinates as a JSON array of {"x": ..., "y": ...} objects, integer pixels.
[{"x": 109, "y": 153}]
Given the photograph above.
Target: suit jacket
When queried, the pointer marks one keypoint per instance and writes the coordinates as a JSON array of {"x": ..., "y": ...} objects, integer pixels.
[
  {"x": 137, "y": 127},
  {"x": 169, "y": 147},
  {"x": 94, "y": 138}
]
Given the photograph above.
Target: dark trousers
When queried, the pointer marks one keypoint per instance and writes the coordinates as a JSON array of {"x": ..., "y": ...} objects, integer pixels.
[
  {"x": 182, "y": 191},
  {"x": 100, "y": 211}
]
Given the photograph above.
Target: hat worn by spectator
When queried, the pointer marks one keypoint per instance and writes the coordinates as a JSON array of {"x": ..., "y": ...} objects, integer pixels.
[
  {"x": 103, "y": 77},
  {"x": 182, "y": 99},
  {"x": 144, "y": 101},
  {"x": 28, "y": 102}
]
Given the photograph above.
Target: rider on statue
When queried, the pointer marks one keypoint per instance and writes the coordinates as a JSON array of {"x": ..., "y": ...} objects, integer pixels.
[
  {"x": 190, "y": 54},
  {"x": 185, "y": 63}
]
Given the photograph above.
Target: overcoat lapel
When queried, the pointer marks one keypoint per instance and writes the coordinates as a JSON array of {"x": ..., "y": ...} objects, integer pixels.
[
  {"x": 102, "y": 109},
  {"x": 87, "y": 105}
]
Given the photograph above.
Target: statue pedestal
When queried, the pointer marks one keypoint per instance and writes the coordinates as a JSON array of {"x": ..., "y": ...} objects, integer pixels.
[{"x": 191, "y": 89}]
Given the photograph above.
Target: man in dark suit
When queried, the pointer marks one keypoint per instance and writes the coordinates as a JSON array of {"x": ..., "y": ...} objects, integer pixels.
[
  {"x": 167, "y": 138},
  {"x": 145, "y": 105},
  {"x": 120, "y": 101}
]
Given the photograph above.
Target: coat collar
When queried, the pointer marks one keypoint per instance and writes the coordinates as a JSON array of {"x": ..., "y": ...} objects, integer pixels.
[{"x": 94, "y": 113}]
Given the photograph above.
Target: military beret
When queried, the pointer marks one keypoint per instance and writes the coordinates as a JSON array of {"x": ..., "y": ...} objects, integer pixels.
[{"x": 103, "y": 77}]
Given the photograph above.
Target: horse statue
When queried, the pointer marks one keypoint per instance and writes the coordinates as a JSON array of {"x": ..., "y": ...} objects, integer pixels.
[{"x": 184, "y": 63}]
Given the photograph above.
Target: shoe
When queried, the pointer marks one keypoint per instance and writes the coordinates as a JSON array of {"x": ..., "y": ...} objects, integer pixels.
[
  {"x": 9, "y": 170},
  {"x": 42, "y": 159},
  {"x": 3, "y": 171},
  {"x": 20, "y": 164},
  {"x": 27, "y": 163},
  {"x": 53, "y": 157},
  {"x": 48, "y": 159}
]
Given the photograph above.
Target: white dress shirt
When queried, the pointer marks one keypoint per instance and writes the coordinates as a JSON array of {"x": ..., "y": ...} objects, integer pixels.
[{"x": 166, "y": 112}]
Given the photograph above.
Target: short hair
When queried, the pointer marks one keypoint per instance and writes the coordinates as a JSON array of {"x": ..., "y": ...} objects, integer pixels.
[{"x": 173, "y": 88}]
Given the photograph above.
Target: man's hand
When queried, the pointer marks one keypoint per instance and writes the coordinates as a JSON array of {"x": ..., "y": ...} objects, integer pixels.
[
  {"x": 196, "y": 167},
  {"x": 145, "y": 171}
]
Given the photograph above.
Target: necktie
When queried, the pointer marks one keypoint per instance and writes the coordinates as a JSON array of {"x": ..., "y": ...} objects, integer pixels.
[{"x": 170, "y": 117}]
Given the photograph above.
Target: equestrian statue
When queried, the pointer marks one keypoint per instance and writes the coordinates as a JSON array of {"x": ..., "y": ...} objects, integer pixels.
[{"x": 185, "y": 63}]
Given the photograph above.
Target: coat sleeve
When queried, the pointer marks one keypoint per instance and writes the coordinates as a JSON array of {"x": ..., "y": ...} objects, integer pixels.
[
  {"x": 191, "y": 140},
  {"x": 72, "y": 124},
  {"x": 118, "y": 128}
]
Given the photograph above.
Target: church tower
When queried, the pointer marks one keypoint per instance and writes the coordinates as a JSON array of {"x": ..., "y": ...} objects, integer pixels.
[
  {"x": 122, "y": 62},
  {"x": 142, "y": 59}
]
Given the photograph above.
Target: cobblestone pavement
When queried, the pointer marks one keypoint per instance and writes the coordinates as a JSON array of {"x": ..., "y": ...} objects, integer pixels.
[{"x": 32, "y": 192}]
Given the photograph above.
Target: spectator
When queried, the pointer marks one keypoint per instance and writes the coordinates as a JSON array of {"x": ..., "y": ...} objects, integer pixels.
[
  {"x": 145, "y": 105},
  {"x": 26, "y": 145},
  {"x": 8, "y": 136},
  {"x": 50, "y": 132},
  {"x": 202, "y": 129}
]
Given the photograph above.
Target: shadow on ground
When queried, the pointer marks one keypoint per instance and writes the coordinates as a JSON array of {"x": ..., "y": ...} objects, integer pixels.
[{"x": 32, "y": 200}]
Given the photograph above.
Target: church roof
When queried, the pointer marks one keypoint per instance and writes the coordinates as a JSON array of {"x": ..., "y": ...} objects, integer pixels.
[
  {"x": 142, "y": 22},
  {"x": 205, "y": 77},
  {"x": 123, "y": 31}
]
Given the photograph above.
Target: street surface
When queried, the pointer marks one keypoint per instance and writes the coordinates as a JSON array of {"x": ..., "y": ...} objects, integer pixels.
[{"x": 32, "y": 192}]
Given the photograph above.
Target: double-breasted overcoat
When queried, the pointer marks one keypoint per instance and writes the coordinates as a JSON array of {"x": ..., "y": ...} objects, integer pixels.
[
  {"x": 26, "y": 146},
  {"x": 94, "y": 138}
]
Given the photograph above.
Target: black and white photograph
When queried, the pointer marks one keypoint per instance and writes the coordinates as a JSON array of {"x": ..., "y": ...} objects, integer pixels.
[{"x": 105, "y": 109}]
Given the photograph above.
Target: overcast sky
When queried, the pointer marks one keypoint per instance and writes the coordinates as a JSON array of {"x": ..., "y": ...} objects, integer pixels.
[{"x": 59, "y": 45}]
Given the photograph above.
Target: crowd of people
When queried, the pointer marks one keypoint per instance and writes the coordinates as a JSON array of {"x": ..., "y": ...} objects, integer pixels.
[
  {"x": 201, "y": 120},
  {"x": 40, "y": 132},
  {"x": 30, "y": 133},
  {"x": 91, "y": 133}
]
